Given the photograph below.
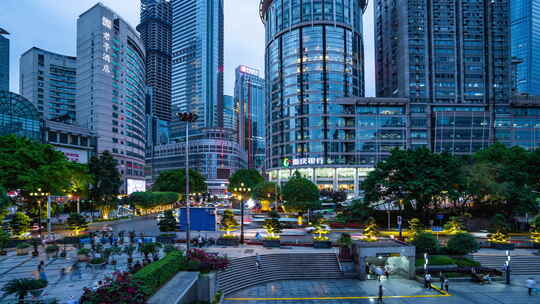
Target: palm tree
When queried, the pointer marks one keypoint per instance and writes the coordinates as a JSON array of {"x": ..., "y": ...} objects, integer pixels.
[{"x": 22, "y": 287}]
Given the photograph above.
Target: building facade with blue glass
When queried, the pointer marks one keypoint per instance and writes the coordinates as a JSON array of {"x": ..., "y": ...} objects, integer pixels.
[
  {"x": 314, "y": 56},
  {"x": 49, "y": 81},
  {"x": 111, "y": 89},
  {"x": 4, "y": 60},
  {"x": 197, "y": 63},
  {"x": 526, "y": 45},
  {"x": 250, "y": 99}
]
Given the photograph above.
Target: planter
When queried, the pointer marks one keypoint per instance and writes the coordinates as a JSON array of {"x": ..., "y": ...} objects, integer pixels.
[
  {"x": 83, "y": 258},
  {"x": 322, "y": 244},
  {"x": 3, "y": 252},
  {"x": 271, "y": 243},
  {"x": 96, "y": 266},
  {"x": 228, "y": 241},
  {"x": 503, "y": 246},
  {"x": 23, "y": 251}
]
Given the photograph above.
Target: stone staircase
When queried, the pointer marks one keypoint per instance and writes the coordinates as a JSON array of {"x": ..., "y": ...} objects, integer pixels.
[
  {"x": 519, "y": 264},
  {"x": 243, "y": 272}
]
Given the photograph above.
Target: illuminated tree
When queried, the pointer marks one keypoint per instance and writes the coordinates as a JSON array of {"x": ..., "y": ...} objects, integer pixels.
[{"x": 371, "y": 231}]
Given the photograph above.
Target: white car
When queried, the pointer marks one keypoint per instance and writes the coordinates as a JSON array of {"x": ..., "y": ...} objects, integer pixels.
[{"x": 312, "y": 229}]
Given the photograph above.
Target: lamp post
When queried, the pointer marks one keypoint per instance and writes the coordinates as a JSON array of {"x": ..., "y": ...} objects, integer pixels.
[
  {"x": 40, "y": 195},
  {"x": 188, "y": 118},
  {"x": 241, "y": 192},
  {"x": 507, "y": 267}
]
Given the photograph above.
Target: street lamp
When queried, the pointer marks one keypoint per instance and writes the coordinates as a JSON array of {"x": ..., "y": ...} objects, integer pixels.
[
  {"x": 188, "y": 118},
  {"x": 507, "y": 267},
  {"x": 242, "y": 192},
  {"x": 40, "y": 195}
]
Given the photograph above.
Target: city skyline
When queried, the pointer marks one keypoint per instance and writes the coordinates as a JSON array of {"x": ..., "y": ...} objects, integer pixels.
[{"x": 241, "y": 20}]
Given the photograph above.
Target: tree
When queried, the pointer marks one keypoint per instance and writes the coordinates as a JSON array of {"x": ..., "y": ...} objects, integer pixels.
[
  {"x": 145, "y": 201},
  {"x": 357, "y": 212},
  {"x": 80, "y": 180},
  {"x": 228, "y": 222},
  {"x": 20, "y": 223},
  {"x": 300, "y": 194},
  {"x": 272, "y": 225},
  {"x": 462, "y": 243},
  {"x": 425, "y": 243},
  {"x": 106, "y": 182},
  {"x": 335, "y": 196},
  {"x": 455, "y": 225},
  {"x": 174, "y": 181},
  {"x": 320, "y": 229},
  {"x": 266, "y": 191},
  {"x": 168, "y": 222},
  {"x": 76, "y": 223},
  {"x": 415, "y": 228},
  {"x": 4, "y": 239},
  {"x": 371, "y": 231},
  {"x": 417, "y": 180},
  {"x": 5, "y": 202},
  {"x": 22, "y": 287},
  {"x": 250, "y": 177}
]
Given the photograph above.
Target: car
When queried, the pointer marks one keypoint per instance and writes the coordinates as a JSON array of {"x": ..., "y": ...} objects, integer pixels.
[{"x": 312, "y": 229}]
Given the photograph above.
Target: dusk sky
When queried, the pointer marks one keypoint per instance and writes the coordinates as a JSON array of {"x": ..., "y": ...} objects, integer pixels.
[{"x": 51, "y": 25}]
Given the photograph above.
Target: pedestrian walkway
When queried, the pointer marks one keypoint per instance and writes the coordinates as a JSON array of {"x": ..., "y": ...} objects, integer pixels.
[{"x": 521, "y": 262}]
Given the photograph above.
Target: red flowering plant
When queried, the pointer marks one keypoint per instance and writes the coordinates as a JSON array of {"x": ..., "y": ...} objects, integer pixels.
[
  {"x": 208, "y": 262},
  {"x": 121, "y": 289}
]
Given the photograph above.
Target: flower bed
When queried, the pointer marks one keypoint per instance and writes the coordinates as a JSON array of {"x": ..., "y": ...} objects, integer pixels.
[
  {"x": 208, "y": 262},
  {"x": 122, "y": 289}
]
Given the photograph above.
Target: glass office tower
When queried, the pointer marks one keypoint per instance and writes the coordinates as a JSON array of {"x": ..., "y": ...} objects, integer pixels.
[
  {"x": 249, "y": 96},
  {"x": 197, "y": 62},
  {"x": 526, "y": 45},
  {"x": 314, "y": 55},
  {"x": 4, "y": 61}
]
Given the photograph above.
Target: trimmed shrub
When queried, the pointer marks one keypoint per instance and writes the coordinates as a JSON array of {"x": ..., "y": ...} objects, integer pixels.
[
  {"x": 464, "y": 262},
  {"x": 462, "y": 243},
  {"x": 425, "y": 243},
  {"x": 436, "y": 260},
  {"x": 154, "y": 275}
]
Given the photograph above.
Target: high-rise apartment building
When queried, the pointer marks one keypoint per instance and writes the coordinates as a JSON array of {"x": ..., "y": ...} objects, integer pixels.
[
  {"x": 111, "y": 89},
  {"x": 197, "y": 62},
  {"x": 314, "y": 56},
  {"x": 526, "y": 45},
  {"x": 4, "y": 60},
  {"x": 156, "y": 32},
  {"x": 229, "y": 113},
  {"x": 452, "y": 60},
  {"x": 249, "y": 96},
  {"x": 49, "y": 81}
]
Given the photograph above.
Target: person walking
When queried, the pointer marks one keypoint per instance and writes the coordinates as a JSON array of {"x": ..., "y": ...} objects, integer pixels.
[
  {"x": 381, "y": 292},
  {"x": 530, "y": 285},
  {"x": 446, "y": 283},
  {"x": 258, "y": 261},
  {"x": 41, "y": 271},
  {"x": 441, "y": 276},
  {"x": 428, "y": 281}
]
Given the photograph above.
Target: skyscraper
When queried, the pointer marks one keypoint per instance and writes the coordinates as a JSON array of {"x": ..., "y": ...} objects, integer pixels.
[
  {"x": 197, "y": 62},
  {"x": 111, "y": 89},
  {"x": 314, "y": 56},
  {"x": 156, "y": 31},
  {"x": 229, "y": 114},
  {"x": 452, "y": 60},
  {"x": 4, "y": 61},
  {"x": 49, "y": 81},
  {"x": 526, "y": 45},
  {"x": 249, "y": 96}
]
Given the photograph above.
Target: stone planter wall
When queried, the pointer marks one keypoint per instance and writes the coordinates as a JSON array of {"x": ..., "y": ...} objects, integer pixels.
[
  {"x": 206, "y": 287},
  {"x": 503, "y": 246},
  {"x": 272, "y": 243},
  {"x": 322, "y": 244}
]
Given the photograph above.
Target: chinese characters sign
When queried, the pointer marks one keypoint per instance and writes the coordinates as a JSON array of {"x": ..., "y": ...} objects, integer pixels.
[{"x": 107, "y": 24}]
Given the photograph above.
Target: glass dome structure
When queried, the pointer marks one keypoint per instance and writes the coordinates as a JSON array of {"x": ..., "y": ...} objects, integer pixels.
[{"x": 19, "y": 116}]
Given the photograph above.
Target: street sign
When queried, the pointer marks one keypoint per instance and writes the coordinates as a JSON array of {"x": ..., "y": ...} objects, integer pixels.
[
  {"x": 440, "y": 216},
  {"x": 399, "y": 220},
  {"x": 437, "y": 229}
]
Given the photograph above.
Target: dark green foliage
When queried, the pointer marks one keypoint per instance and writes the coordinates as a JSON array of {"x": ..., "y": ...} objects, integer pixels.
[
  {"x": 426, "y": 243},
  {"x": 462, "y": 243},
  {"x": 168, "y": 222},
  {"x": 272, "y": 224},
  {"x": 464, "y": 262},
  {"x": 250, "y": 177},
  {"x": 499, "y": 222},
  {"x": 22, "y": 287},
  {"x": 76, "y": 222},
  {"x": 535, "y": 223},
  {"x": 149, "y": 248},
  {"x": 4, "y": 239},
  {"x": 335, "y": 196},
  {"x": 345, "y": 240},
  {"x": 148, "y": 200},
  {"x": 266, "y": 191},
  {"x": 106, "y": 181},
  {"x": 435, "y": 260},
  {"x": 174, "y": 181},
  {"x": 154, "y": 275},
  {"x": 20, "y": 224},
  {"x": 300, "y": 194},
  {"x": 5, "y": 202},
  {"x": 358, "y": 212}
]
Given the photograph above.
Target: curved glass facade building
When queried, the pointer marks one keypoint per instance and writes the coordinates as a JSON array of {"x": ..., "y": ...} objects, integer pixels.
[
  {"x": 19, "y": 116},
  {"x": 314, "y": 55}
]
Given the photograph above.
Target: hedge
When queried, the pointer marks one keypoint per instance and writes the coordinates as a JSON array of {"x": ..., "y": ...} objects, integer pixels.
[
  {"x": 154, "y": 275},
  {"x": 147, "y": 200}
]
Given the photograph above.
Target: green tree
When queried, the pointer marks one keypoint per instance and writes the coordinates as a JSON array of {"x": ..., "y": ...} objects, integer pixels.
[
  {"x": 4, "y": 239},
  {"x": 300, "y": 194},
  {"x": 419, "y": 180},
  {"x": 20, "y": 223},
  {"x": 266, "y": 191},
  {"x": 371, "y": 231},
  {"x": 5, "y": 202},
  {"x": 144, "y": 201},
  {"x": 80, "y": 180},
  {"x": 462, "y": 243},
  {"x": 174, "y": 181},
  {"x": 22, "y": 287},
  {"x": 29, "y": 165},
  {"x": 228, "y": 222},
  {"x": 357, "y": 212},
  {"x": 425, "y": 243},
  {"x": 168, "y": 222},
  {"x": 415, "y": 228},
  {"x": 76, "y": 223},
  {"x": 272, "y": 225},
  {"x": 106, "y": 182},
  {"x": 250, "y": 177}
]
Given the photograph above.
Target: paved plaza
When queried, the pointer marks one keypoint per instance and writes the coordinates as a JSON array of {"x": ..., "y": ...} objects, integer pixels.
[{"x": 395, "y": 291}]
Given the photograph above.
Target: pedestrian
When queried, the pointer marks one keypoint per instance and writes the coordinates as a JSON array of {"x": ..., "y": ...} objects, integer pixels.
[
  {"x": 41, "y": 271},
  {"x": 380, "y": 299},
  {"x": 258, "y": 261},
  {"x": 428, "y": 281},
  {"x": 446, "y": 283},
  {"x": 200, "y": 241},
  {"x": 75, "y": 271},
  {"x": 530, "y": 285},
  {"x": 441, "y": 276},
  {"x": 111, "y": 239},
  {"x": 62, "y": 273}
]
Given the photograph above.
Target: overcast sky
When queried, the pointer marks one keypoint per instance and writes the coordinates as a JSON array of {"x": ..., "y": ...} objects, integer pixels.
[{"x": 51, "y": 25}]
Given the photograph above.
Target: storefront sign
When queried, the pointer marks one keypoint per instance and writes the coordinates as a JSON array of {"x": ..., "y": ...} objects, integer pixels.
[{"x": 287, "y": 162}]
